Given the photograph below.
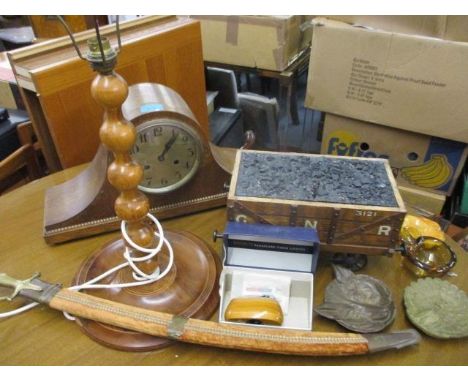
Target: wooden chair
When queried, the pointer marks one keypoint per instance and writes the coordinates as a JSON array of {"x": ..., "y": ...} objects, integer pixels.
[{"x": 24, "y": 157}]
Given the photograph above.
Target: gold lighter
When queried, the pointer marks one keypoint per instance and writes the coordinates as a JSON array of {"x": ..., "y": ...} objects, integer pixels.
[{"x": 254, "y": 310}]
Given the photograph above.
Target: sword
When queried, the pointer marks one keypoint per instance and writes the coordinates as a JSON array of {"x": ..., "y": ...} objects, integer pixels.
[{"x": 259, "y": 339}]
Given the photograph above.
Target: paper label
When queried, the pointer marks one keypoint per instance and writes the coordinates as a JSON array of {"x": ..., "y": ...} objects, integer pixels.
[
  {"x": 149, "y": 107},
  {"x": 257, "y": 285},
  {"x": 367, "y": 82}
]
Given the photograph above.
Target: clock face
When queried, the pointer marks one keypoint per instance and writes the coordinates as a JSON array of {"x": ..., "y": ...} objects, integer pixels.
[{"x": 169, "y": 152}]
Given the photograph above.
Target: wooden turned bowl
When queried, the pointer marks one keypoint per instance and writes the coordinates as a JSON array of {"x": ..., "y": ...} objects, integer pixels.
[{"x": 189, "y": 289}]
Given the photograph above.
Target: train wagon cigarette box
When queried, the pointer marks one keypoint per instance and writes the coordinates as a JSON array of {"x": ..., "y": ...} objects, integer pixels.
[{"x": 353, "y": 203}]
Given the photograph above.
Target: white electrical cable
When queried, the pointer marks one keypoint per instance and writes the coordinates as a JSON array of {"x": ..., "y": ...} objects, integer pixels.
[
  {"x": 19, "y": 310},
  {"x": 140, "y": 277}
]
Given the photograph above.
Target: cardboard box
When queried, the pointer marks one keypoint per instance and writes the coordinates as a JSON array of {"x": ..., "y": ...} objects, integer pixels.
[
  {"x": 456, "y": 28},
  {"x": 265, "y": 42},
  {"x": 418, "y": 161},
  {"x": 422, "y": 201},
  {"x": 270, "y": 261},
  {"x": 453, "y": 28},
  {"x": 306, "y": 30},
  {"x": 404, "y": 81}
]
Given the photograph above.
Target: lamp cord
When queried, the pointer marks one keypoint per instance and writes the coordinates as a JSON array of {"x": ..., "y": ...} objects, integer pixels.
[{"x": 140, "y": 277}]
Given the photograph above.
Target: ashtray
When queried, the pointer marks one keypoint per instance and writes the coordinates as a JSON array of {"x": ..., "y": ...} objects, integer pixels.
[
  {"x": 359, "y": 303},
  {"x": 437, "y": 307},
  {"x": 428, "y": 256}
]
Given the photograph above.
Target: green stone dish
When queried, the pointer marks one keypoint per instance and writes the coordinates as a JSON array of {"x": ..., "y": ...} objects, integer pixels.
[{"x": 437, "y": 307}]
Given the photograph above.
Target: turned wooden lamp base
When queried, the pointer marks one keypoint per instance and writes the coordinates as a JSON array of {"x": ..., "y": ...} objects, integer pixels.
[{"x": 189, "y": 289}]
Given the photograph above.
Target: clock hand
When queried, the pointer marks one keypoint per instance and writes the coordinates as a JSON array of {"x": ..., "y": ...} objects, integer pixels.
[{"x": 168, "y": 146}]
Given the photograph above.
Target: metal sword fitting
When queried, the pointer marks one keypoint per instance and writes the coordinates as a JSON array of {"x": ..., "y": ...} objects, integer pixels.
[
  {"x": 32, "y": 288},
  {"x": 176, "y": 327},
  {"x": 17, "y": 285}
]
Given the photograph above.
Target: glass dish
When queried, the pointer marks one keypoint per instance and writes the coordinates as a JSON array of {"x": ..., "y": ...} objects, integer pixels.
[{"x": 427, "y": 256}]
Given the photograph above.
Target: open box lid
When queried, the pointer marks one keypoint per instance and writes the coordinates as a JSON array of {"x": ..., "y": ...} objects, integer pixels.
[{"x": 261, "y": 246}]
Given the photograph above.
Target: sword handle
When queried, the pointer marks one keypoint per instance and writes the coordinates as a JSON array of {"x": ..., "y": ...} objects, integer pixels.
[{"x": 18, "y": 285}]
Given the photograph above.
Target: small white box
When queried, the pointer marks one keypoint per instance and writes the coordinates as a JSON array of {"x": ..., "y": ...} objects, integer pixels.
[{"x": 282, "y": 259}]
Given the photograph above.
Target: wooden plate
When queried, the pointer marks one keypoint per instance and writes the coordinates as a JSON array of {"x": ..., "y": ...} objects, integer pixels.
[{"x": 189, "y": 289}]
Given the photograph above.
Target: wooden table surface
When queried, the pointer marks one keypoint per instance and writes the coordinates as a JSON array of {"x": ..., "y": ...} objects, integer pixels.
[{"x": 44, "y": 337}]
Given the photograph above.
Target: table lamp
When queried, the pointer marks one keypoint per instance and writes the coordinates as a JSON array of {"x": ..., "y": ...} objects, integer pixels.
[{"x": 173, "y": 272}]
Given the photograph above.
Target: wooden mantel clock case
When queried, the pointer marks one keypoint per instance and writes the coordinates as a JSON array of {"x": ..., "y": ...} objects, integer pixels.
[
  {"x": 55, "y": 84},
  {"x": 180, "y": 175}
]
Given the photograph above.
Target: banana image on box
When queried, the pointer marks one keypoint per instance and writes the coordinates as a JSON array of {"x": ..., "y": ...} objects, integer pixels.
[{"x": 431, "y": 174}]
